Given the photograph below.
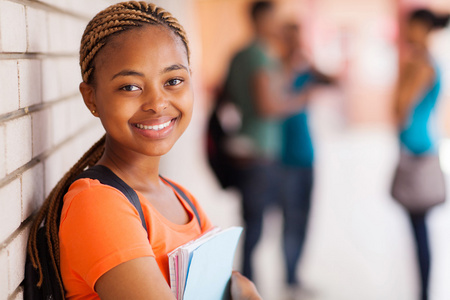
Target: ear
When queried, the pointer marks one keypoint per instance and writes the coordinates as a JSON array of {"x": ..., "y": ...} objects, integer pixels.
[{"x": 88, "y": 93}]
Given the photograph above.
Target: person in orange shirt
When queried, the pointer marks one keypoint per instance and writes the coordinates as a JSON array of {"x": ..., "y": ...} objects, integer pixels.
[{"x": 134, "y": 60}]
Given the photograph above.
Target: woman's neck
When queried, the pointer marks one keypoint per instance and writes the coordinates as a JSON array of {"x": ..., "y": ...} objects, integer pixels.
[{"x": 138, "y": 171}]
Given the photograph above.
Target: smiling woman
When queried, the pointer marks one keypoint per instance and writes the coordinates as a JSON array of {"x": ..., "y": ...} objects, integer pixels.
[{"x": 134, "y": 61}]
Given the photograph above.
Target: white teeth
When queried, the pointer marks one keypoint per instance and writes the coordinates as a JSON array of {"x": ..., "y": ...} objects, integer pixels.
[{"x": 155, "y": 127}]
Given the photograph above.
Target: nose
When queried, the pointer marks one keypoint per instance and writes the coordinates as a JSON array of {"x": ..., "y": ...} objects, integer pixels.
[{"x": 155, "y": 101}]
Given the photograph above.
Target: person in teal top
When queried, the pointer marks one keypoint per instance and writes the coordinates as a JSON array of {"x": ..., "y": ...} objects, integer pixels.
[
  {"x": 417, "y": 134},
  {"x": 297, "y": 146},
  {"x": 255, "y": 86},
  {"x": 418, "y": 91},
  {"x": 297, "y": 152}
]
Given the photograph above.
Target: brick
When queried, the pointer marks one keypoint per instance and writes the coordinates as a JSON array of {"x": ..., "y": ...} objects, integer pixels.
[
  {"x": 79, "y": 7},
  {"x": 59, "y": 118},
  {"x": 2, "y": 152},
  {"x": 80, "y": 115},
  {"x": 9, "y": 86},
  {"x": 18, "y": 143},
  {"x": 74, "y": 30},
  {"x": 10, "y": 209},
  {"x": 29, "y": 82},
  {"x": 54, "y": 170},
  {"x": 57, "y": 3},
  {"x": 57, "y": 33},
  {"x": 16, "y": 260},
  {"x": 64, "y": 158},
  {"x": 3, "y": 274},
  {"x": 70, "y": 76},
  {"x": 32, "y": 190},
  {"x": 13, "y": 34},
  {"x": 41, "y": 131},
  {"x": 37, "y": 33},
  {"x": 50, "y": 80}
]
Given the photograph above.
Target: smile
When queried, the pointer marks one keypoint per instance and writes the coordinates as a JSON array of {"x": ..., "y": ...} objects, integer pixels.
[{"x": 153, "y": 127}]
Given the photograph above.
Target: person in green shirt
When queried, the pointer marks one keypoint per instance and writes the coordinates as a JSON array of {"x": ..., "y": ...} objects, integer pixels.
[{"x": 255, "y": 85}]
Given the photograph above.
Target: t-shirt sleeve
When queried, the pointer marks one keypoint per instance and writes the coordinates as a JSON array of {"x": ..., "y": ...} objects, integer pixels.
[{"x": 99, "y": 230}]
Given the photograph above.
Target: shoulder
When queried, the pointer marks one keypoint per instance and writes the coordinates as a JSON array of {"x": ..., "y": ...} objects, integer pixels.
[
  {"x": 89, "y": 198},
  {"x": 99, "y": 230}
]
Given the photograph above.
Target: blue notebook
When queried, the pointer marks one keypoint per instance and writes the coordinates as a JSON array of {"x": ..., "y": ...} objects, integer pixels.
[{"x": 201, "y": 269}]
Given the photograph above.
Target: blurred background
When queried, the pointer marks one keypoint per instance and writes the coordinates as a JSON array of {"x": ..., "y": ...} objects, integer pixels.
[{"x": 359, "y": 243}]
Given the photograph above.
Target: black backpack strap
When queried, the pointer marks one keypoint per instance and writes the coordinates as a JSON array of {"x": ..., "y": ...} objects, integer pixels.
[
  {"x": 106, "y": 176},
  {"x": 182, "y": 194}
]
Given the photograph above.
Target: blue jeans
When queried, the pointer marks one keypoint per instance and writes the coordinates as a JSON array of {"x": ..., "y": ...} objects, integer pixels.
[
  {"x": 259, "y": 184},
  {"x": 297, "y": 187}
]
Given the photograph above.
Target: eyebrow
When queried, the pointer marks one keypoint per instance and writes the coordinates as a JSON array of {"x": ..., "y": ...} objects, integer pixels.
[
  {"x": 174, "y": 67},
  {"x": 127, "y": 73},
  {"x": 165, "y": 70}
]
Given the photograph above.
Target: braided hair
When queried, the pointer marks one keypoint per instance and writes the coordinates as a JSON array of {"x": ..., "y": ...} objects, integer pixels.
[
  {"x": 113, "y": 20},
  {"x": 118, "y": 18}
]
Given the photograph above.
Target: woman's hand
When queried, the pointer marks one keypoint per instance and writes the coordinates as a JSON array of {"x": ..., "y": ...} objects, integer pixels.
[{"x": 242, "y": 288}]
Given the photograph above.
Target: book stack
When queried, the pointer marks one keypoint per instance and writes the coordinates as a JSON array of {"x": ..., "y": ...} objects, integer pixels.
[{"x": 201, "y": 269}]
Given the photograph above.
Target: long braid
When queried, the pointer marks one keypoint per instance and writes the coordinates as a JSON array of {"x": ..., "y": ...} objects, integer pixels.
[
  {"x": 114, "y": 19},
  {"x": 51, "y": 210}
]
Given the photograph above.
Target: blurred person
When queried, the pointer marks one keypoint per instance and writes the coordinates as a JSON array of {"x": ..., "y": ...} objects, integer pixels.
[
  {"x": 297, "y": 151},
  {"x": 418, "y": 89},
  {"x": 255, "y": 86}
]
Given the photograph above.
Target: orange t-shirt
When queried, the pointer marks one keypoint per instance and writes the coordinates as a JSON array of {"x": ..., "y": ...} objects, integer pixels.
[{"x": 101, "y": 229}]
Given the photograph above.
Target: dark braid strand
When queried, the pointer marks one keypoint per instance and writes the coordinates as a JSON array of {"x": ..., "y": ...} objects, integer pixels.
[{"x": 50, "y": 212}]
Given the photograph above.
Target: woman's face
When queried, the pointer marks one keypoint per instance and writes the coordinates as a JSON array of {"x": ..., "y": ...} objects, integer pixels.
[
  {"x": 142, "y": 92},
  {"x": 417, "y": 32}
]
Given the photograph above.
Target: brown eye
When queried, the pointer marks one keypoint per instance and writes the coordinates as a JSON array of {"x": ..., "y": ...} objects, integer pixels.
[
  {"x": 175, "y": 81},
  {"x": 130, "y": 88}
]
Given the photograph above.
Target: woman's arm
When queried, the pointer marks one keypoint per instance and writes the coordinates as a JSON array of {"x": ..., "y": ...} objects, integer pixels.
[
  {"x": 136, "y": 279},
  {"x": 141, "y": 278},
  {"x": 272, "y": 99},
  {"x": 415, "y": 75}
]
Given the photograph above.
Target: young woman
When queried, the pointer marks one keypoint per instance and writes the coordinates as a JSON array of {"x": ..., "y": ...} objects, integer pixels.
[
  {"x": 418, "y": 89},
  {"x": 134, "y": 60}
]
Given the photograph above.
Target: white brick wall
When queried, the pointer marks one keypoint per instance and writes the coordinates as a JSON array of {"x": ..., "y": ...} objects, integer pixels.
[
  {"x": 44, "y": 125},
  {"x": 13, "y": 31},
  {"x": 18, "y": 143},
  {"x": 9, "y": 85},
  {"x": 10, "y": 209},
  {"x": 29, "y": 82}
]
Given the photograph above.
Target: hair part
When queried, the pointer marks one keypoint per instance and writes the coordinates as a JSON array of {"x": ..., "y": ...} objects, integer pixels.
[{"x": 119, "y": 18}]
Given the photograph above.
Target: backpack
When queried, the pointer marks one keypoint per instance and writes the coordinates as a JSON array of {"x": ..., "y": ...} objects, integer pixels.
[
  {"x": 222, "y": 163},
  {"x": 50, "y": 288}
]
